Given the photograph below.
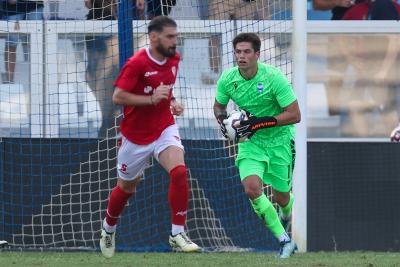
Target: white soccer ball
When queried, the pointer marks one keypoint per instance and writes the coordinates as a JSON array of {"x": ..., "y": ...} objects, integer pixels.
[{"x": 234, "y": 117}]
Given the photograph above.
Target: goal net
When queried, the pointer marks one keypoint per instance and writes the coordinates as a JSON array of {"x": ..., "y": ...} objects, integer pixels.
[{"x": 59, "y": 128}]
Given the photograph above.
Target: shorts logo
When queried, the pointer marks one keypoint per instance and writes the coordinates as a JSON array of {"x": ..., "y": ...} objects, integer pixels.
[
  {"x": 177, "y": 138},
  {"x": 150, "y": 73},
  {"x": 123, "y": 168}
]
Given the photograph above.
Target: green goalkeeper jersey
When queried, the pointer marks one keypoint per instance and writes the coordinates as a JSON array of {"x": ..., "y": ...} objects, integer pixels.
[{"x": 266, "y": 94}]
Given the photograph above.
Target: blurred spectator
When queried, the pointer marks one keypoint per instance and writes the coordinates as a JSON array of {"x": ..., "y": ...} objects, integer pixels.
[
  {"x": 376, "y": 74},
  {"x": 16, "y": 10},
  {"x": 231, "y": 10},
  {"x": 103, "y": 61},
  {"x": 374, "y": 10},
  {"x": 338, "y": 7},
  {"x": 147, "y": 9}
]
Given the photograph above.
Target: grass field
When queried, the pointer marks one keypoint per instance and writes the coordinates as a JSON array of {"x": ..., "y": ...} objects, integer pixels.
[{"x": 88, "y": 259}]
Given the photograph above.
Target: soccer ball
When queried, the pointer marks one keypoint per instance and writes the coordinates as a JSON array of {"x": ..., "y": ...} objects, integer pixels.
[{"x": 234, "y": 117}]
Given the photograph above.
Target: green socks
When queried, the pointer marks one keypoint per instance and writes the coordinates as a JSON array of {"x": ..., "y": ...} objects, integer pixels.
[
  {"x": 266, "y": 211},
  {"x": 288, "y": 209}
]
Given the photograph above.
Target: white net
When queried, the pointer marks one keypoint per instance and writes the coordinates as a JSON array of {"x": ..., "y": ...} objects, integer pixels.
[{"x": 55, "y": 192}]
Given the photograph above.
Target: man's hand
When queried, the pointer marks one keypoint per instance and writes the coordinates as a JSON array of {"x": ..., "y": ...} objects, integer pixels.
[
  {"x": 249, "y": 124},
  {"x": 176, "y": 108},
  {"x": 161, "y": 93},
  {"x": 395, "y": 135}
]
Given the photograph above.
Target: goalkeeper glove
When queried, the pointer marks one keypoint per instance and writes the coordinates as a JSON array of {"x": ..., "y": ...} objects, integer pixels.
[
  {"x": 395, "y": 135},
  {"x": 250, "y": 124}
]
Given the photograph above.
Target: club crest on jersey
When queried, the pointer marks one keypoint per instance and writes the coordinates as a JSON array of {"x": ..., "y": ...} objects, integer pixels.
[
  {"x": 173, "y": 69},
  {"x": 235, "y": 85},
  {"x": 148, "y": 89},
  {"x": 260, "y": 87}
]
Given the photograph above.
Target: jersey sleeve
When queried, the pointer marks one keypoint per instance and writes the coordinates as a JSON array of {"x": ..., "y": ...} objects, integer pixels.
[
  {"x": 128, "y": 77},
  {"x": 222, "y": 95},
  {"x": 283, "y": 90}
]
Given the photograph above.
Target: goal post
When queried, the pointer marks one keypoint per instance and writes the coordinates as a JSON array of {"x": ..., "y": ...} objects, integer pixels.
[{"x": 299, "y": 50}]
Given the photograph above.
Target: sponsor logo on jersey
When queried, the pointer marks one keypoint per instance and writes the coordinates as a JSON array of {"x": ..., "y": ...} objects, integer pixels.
[
  {"x": 173, "y": 69},
  {"x": 150, "y": 73},
  {"x": 148, "y": 89},
  {"x": 260, "y": 87}
]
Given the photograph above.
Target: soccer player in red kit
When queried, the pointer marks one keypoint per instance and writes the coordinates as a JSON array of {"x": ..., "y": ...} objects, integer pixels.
[{"x": 144, "y": 88}]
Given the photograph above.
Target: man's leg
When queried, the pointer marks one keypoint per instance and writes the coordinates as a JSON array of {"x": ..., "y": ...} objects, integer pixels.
[
  {"x": 132, "y": 160},
  {"x": 250, "y": 173},
  {"x": 170, "y": 154},
  {"x": 172, "y": 160},
  {"x": 285, "y": 201},
  {"x": 280, "y": 176},
  {"x": 116, "y": 203},
  {"x": 118, "y": 198}
]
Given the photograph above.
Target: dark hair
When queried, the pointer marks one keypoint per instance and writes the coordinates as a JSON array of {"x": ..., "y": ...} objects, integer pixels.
[
  {"x": 248, "y": 37},
  {"x": 158, "y": 23}
]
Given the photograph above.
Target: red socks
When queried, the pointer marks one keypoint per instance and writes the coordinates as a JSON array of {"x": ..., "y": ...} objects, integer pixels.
[
  {"x": 178, "y": 198},
  {"x": 178, "y": 195},
  {"x": 116, "y": 204}
]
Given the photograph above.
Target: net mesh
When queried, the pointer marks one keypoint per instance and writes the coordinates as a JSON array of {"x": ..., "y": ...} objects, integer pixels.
[{"x": 58, "y": 125}]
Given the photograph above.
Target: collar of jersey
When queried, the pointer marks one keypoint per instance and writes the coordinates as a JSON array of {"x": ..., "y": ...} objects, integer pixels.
[{"x": 153, "y": 59}]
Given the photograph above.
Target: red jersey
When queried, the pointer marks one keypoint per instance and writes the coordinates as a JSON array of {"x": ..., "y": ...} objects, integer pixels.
[{"x": 141, "y": 75}]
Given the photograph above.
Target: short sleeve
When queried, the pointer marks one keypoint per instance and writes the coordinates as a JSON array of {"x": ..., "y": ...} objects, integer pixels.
[
  {"x": 283, "y": 90},
  {"x": 128, "y": 77},
  {"x": 222, "y": 96}
]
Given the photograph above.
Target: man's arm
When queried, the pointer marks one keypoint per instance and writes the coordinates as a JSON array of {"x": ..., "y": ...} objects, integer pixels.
[
  {"x": 125, "y": 98},
  {"x": 247, "y": 127},
  {"x": 220, "y": 112},
  {"x": 290, "y": 115},
  {"x": 330, "y": 4}
]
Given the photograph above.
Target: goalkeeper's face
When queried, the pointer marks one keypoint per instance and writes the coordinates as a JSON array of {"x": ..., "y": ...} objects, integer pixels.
[
  {"x": 246, "y": 57},
  {"x": 166, "y": 42}
]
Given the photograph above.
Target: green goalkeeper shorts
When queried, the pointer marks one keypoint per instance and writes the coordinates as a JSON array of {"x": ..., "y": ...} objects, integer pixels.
[{"x": 273, "y": 165}]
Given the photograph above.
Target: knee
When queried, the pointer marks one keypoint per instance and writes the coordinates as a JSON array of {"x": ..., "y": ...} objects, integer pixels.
[
  {"x": 253, "y": 191},
  {"x": 129, "y": 186},
  {"x": 178, "y": 175}
]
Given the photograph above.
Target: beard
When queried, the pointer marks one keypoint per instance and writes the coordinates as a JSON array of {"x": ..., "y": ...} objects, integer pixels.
[{"x": 166, "y": 52}]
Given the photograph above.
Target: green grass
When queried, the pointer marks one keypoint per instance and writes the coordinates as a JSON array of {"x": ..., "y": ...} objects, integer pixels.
[{"x": 88, "y": 259}]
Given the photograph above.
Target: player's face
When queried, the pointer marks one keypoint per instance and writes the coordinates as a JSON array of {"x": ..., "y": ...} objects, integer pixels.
[
  {"x": 245, "y": 55},
  {"x": 166, "y": 43}
]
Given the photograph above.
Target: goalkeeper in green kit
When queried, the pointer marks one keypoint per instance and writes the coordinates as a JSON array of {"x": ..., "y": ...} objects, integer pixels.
[{"x": 265, "y": 95}]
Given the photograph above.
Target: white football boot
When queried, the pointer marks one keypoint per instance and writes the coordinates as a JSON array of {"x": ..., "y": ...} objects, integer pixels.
[{"x": 181, "y": 242}]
